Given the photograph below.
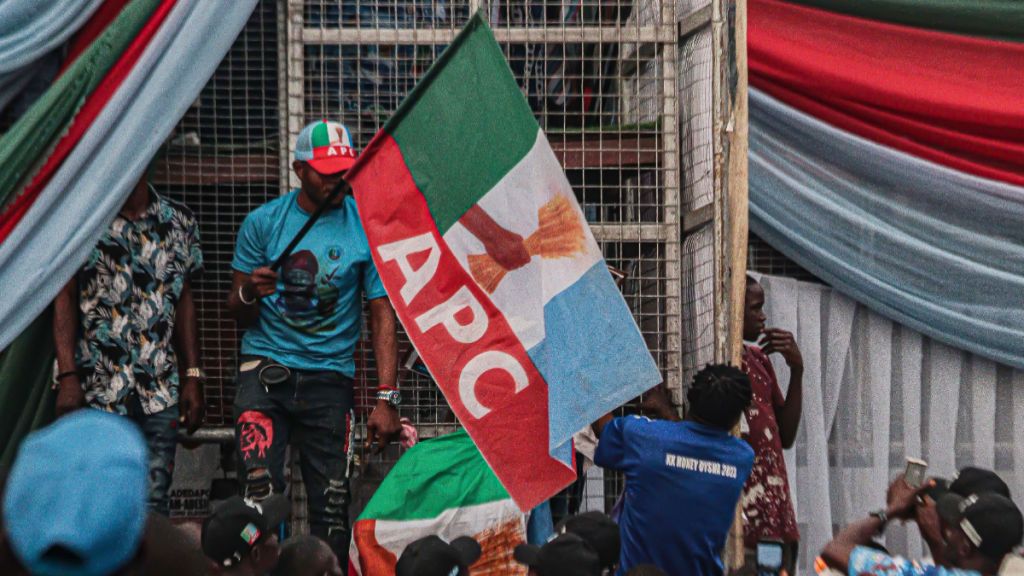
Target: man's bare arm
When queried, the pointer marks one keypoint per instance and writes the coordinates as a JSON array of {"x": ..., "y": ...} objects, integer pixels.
[
  {"x": 837, "y": 552},
  {"x": 383, "y": 426},
  {"x": 600, "y": 423},
  {"x": 788, "y": 416},
  {"x": 186, "y": 329},
  {"x": 65, "y": 325},
  {"x": 65, "y": 337},
  {"x": 383, "y": 327},
  {"x": 261, "y": 283},
  {"x": 186, "y": 340}
]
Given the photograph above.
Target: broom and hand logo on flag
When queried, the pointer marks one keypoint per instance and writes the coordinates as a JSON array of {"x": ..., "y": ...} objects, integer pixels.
[{"x": 485, "y": 254}]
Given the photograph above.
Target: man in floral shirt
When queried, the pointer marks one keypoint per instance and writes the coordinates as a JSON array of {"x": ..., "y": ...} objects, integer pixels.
[
  {"x": 772, "y": 421},
  {"x": 125, "y": 329}
]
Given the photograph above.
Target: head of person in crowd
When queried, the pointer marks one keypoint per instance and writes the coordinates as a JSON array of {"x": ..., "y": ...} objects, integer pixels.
[
  {"x": 323, "y": 153},
  {"x": 753, "y": 311},
  {"x": 566, "y": 555},
  {"x": 979, "y": 530},
  {"x": 432, "y": 556},
  {"x": 307, "y": 555},
  {"x": 970, "y": 480},
  {"x": 600, "y": 532},
  {"x": 718, "y": 396},
  {"x": 75, "y": 499},
  {"x": 646, "y": 570},
  {"x": 240, "y": 536}
]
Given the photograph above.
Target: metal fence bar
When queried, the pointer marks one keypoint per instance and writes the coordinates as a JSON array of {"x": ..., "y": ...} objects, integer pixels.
[{"x": 416, "y": 36}]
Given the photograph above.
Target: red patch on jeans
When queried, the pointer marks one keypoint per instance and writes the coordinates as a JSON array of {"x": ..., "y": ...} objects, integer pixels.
[
  {"x": 255, "y": 434},
  {"x": 348, "y": 434}
]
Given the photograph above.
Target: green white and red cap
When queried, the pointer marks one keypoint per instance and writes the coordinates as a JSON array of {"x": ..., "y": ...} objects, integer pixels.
[{"x": 326, "y": 146}]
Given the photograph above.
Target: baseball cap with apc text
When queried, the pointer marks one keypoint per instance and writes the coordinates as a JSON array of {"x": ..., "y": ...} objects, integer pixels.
[
  {"x": 75, "y": 501},
  {"x": 326, "y": 146}
]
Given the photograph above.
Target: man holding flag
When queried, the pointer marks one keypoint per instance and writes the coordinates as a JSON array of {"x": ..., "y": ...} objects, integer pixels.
[
  {"x": 493, "y": 271},
  {"x": 295, "y": 378}
]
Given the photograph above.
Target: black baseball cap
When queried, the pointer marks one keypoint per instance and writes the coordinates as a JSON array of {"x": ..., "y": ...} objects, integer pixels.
[
  {"x": 237, "y": 525},
  {"x": 992, "y": 522},
  {"x": 598, "y": 530},
  {"x": 970, "y": 480},
  {"x": 566, "y": 555},
  {"x": 432, "y": 556}
]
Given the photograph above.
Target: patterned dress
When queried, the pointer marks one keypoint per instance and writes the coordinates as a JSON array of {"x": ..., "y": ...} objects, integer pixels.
[
  {"x": 128, "y": 294},
  {"x": 766, "y": 501}
]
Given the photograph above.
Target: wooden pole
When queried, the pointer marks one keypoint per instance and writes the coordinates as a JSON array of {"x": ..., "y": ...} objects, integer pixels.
[{"x": 736, "y": 214}]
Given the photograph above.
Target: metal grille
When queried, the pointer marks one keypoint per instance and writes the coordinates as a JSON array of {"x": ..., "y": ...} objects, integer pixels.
[
  {"x": 761, "y": 257},
  {"x": 696, "y": 72},
  {"x": 222, "y": 161}
]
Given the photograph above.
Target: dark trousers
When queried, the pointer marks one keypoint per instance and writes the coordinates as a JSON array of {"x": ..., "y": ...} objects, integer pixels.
[
  {"x": 161, "y": 432},
  {"x": 312, "y": 411}
]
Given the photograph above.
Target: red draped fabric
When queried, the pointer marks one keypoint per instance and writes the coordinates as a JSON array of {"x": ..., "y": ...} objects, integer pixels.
[
  {"x": 92, "y": 107},
  {"x": 951, "y": 99}
]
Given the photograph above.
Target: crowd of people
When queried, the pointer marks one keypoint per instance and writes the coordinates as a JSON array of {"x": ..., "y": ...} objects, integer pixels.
[
  {"x": 75, "y": 503},
  {"x": 89, "y": 494}
]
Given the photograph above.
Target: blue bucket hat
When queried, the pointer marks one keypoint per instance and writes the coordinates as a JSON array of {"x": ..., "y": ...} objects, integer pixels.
[{"x": 75, "y": 501}]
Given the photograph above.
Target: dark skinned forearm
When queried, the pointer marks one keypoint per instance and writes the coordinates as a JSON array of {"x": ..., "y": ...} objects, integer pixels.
[
  {"x": 245, "y": 314},
  {"x": 65, "y": 325},
  {"x": 385, "y": 341},
  {"x": 186, "y": 331},
  {"x": 600, "y": 423},
  {"x": 788, "y": 416},
  {"x": 837, "y": 552}
]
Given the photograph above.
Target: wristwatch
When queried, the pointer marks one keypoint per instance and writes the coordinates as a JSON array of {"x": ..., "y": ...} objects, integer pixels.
[
  {"x": 197, "y": 373},
  {"x": 393, "y": 397},
  {"x": 882, "y": 517}
]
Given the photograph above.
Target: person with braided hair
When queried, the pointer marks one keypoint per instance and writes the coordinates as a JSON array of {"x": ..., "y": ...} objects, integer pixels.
[{"x": 683, "y": 479}]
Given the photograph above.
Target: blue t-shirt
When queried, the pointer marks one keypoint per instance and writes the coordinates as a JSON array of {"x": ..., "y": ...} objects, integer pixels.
[
  {"x": 313, "y": 320},
  {"x": 683, "y": 480},
  {"x": 866, "y": 561}
]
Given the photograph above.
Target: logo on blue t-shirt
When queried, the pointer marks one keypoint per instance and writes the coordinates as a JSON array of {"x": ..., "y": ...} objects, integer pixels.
[{"x": 308, "y": 300}]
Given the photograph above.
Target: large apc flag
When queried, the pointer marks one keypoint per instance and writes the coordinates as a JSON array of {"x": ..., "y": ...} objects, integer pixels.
[{"x": 493, "y": 271}]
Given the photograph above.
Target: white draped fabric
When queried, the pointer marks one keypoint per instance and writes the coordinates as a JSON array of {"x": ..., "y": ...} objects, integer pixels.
[{"x": 876, "y": 392}]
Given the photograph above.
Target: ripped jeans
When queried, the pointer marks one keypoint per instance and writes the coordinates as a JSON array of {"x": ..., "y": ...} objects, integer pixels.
[{"x": 312, "y": 411}]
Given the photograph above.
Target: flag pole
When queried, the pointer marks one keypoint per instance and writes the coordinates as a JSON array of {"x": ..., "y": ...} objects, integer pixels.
[{"x": 341, "y": 186}]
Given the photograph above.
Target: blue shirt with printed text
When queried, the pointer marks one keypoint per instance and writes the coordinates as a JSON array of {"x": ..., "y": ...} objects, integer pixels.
[
  {"x": 683, "y": 480},
  {"x": 313, "y": 321}
]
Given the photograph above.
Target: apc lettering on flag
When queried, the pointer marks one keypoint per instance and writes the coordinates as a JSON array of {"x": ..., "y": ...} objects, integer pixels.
[{"x": 527, "y": 354}]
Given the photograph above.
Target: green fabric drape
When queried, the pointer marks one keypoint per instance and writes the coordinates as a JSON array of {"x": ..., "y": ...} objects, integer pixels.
[
  {"x": 25, "y": 145},
  {"x": 26, "y": 399},
  {"x": 1001, "y": 19}
]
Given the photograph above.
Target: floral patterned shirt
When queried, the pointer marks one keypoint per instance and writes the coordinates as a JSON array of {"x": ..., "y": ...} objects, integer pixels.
[
  {"x": 870, "y": 562},
  {"x": 128, "y": 295},
  {"x": 766, "y": 499}
]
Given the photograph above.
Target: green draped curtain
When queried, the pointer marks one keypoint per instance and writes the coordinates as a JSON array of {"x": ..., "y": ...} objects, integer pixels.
[
  {"x": 1002, "y": 19},
  {"x": 26, "y": 399}
]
